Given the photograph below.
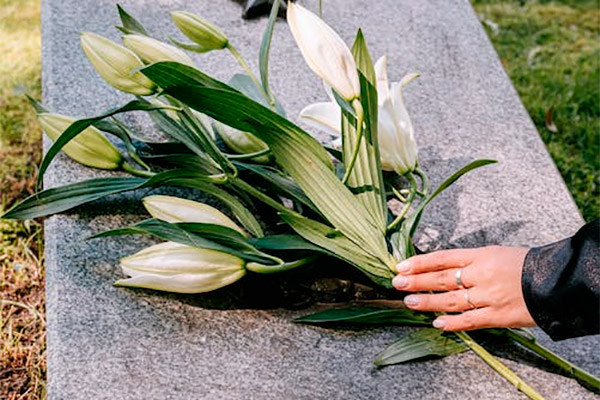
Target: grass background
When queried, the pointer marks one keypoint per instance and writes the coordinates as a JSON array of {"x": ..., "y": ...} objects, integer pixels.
[{"x": 550, "y": 50}]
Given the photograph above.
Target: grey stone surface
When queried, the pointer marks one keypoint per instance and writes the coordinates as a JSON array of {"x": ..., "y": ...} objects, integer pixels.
[{"x": 109, "y": 343}]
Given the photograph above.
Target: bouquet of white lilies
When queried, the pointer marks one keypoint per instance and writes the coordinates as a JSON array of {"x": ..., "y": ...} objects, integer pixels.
[{"x": 233, "y": 142}]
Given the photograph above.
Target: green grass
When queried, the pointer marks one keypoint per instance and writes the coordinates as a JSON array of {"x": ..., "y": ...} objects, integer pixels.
[
  {"x": 22, "y": 325},
  {"x": 551, "y": 51}
]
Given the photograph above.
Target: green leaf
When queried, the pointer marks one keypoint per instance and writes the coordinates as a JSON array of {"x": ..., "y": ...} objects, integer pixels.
[
  {"x": 206, "y": 236},
  {"x": 366, "y": 178},
  {"x": 285, "y": 242},
  {"x": 412, "y": 221},
  {"x": 422, "y": 343},
  {"x": 367, "y": 315},
  {"x": 265, "y": 46},
  {"x": 340, "y": 247},
  {"x": 297, "y": 152},
  {"x": 52, "y": 201},
  {"x": 80, "y": 125},
  {"x": 364, "y": 63},
  {"x": 246, "y": 85},
  {"x": 130, "y": 24}
]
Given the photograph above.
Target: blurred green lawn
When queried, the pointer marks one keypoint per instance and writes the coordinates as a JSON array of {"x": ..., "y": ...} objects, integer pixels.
[{"x": 550, "y": 49}]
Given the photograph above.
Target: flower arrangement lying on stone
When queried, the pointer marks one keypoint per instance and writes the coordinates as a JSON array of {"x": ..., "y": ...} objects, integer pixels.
[{"x": 233, "y": 142}]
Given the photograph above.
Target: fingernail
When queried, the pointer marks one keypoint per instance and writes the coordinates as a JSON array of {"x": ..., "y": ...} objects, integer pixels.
[
  {"x": 403, "y": 267},
  {"x": 439, "y": 323},
  {"x": 400, "y": 282},
  {"x": 411, "y": 300}
]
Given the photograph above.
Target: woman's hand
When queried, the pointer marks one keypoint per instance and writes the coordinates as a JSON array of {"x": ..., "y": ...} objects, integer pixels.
[{"x": 490, "y": 295}]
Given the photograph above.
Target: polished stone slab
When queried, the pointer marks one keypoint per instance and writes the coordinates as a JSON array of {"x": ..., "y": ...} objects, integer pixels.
[{"x": 111, "y": 343}]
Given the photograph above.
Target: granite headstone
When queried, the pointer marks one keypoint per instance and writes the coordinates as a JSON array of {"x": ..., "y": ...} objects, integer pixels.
[{"x": 114, "y": 343}]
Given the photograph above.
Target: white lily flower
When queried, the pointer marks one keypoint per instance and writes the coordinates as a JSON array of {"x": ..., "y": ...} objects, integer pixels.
[
  {"x": 89, "y": 148},
  {"x": 174, "y": 267},
  {"x": 175, "y": 209},
  {"x": 151, "y": 50},
  {"x": 116, "y": 64},
  {"x": 324, "y": 51},
  {"x": 397, "y": 145}
]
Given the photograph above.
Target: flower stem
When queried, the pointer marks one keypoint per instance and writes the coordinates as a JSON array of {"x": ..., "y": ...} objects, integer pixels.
[
  {"x": 424, "y": 181},
  {"x": 360, "y": 115},
  {"x": 236, "y": 54},
  {"x": 271, "y": 269},
  {"x": 248, "y": 155},
  {"x": 136, "y": 172},
  {"x": 557, "y": 360},
  {"x": 408, "y": 204},
  {"x": 501, "y": 368}
]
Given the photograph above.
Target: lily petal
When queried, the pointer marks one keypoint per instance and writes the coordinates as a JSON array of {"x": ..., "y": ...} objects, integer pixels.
[
  {"x": 383, "y": 91},
  {"x": 327, "y": 116}
]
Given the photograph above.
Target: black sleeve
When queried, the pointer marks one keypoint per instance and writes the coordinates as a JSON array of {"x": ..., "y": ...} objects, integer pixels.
[{"x": 561, "y": 284}]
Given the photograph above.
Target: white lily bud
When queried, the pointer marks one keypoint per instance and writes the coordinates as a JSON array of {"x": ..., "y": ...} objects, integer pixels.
[
  {"x": 174, "y": 267},
  {"x": 175, "y": 209},
  {"x": 116, "y": 64},
  {"x": 242, "y": 142},
  {"x": 151, "y": 50},
  {"x": 89, "y": 148},
  {"x": 324, "y": 51},
  {"x": 207, "y": 36}
]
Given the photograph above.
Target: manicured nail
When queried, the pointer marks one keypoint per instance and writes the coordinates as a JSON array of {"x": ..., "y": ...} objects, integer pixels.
[
  {"x": 411, "y": 300},
  {"x": 400, "y": 282},
  {"x": 403, "y": 267},
  {"x": 439, "y": 323}
]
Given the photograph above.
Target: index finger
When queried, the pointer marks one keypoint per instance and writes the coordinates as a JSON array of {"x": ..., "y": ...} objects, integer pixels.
[{"x": 436, "y": 261}]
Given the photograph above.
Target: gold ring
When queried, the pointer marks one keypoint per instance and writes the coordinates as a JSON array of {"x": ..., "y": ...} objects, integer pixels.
[{"x": 468, "y": 299}]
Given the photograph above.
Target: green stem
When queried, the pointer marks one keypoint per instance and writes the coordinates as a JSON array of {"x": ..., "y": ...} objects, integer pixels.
[
  {"x": 136, "y": 172},
  {"x": 236, "y": 54},
  {"x": 501, "y": 368},
  {"x": 557, "y": 360},
  {"x": 259, "y": 195},
  {"x": 272, "y": 269},
  {"x": 409, "y": 201},
  {"x": 360, "y": 115},
  {"x": 424, "y": 182},
  {"x": 248, "y": 155},
  {"x": 321, "y": 9},
  {"x": 399, "y": 195}
]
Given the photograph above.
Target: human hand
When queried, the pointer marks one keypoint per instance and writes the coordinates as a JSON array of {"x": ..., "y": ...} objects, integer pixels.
[{"x": 491, "y": 281}]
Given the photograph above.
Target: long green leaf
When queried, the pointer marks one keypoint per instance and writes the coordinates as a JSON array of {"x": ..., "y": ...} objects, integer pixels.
[
  {"x": 52, "y": 201},
  {"x": 80, "y": 125},
  {"x": 413, "y": 220},
  {"x": 366, "y": 179},
  {"x": 299, "y": 154},
  {"x": 285, "y": 241},
  {"x": 422, "y": 343},
  {"x": 265, "y": 46},
  {"x": 367, "y": 315}
]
